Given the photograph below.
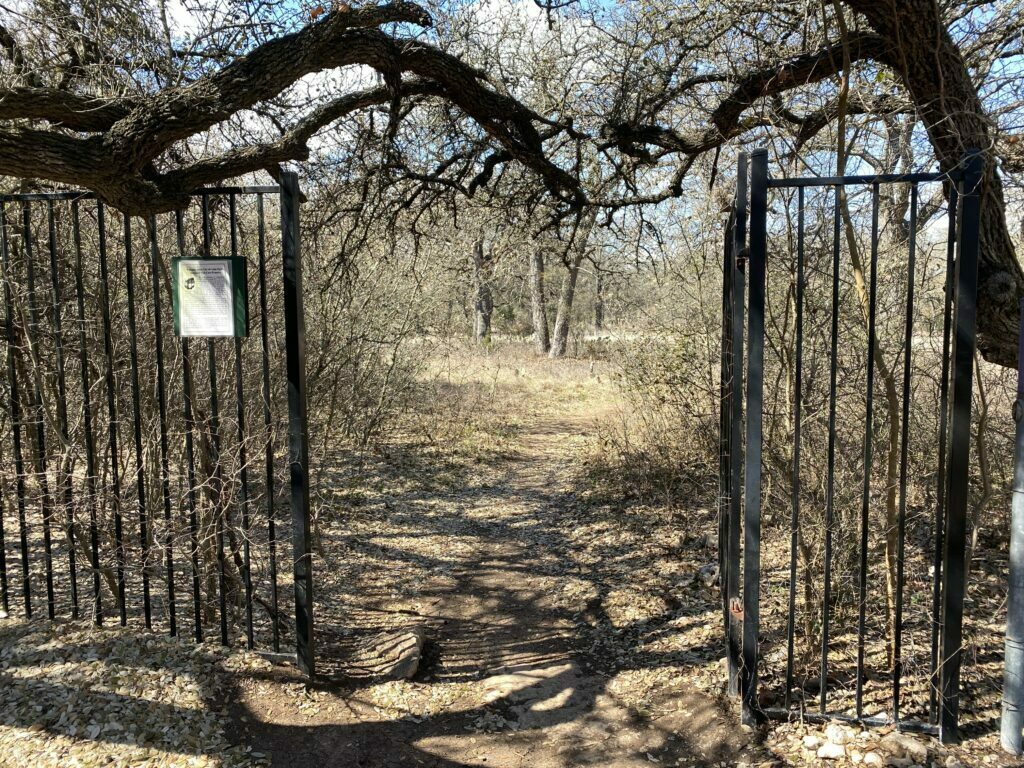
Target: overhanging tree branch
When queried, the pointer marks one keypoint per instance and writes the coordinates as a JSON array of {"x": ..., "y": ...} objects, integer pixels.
[
  {"x": 119, "y": 160},
  {"x": 727, "y": 119}
]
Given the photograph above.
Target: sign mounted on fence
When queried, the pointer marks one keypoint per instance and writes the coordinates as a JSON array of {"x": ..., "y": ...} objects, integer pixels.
[{"x": 211, "y": 297}]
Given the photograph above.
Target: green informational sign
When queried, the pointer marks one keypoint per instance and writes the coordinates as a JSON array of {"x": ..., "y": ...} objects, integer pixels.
[{"x": 210, "y": 297}]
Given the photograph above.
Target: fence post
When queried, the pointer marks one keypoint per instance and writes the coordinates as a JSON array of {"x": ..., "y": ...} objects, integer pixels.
[
  {"x": 732, "y": 542},
  {"x": 725, "y": 459},
  {"x": 954, "y": 571},
  {"x": 755, "y": 397},
  {"x": 298, "y": 431}
]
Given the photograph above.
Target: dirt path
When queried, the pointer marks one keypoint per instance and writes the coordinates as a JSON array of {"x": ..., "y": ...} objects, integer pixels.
[{"x": 540, "y": 653}]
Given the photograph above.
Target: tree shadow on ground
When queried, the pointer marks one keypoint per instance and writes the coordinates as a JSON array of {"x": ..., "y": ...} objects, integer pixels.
[{"x": 536, "y": 674}]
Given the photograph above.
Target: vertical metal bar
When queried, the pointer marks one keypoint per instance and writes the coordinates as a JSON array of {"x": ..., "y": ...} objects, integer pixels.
[
  {"x": 140, "y": 480},
  {"x": 190, "y": 456},
  {"x": 15, "y": 407},
  {"x": 736, "y": 429},
  {"x": 63, "y": 476},
  {"x": 38, "y": 408},
  {"x": 298, "y": 433},
  {"x": 268, "y": 448},
  {"x": 724, "y": 414},
  {"x": 830, "y": 482},
  {"x": 865, "y": 501},
  {"x": 218, "y": 469},
  {"x": 901, "y": 525},
  {"x": 954, "y": 577},
  {"x": 798, "y": 389},
  {"x": 165, "y": 472},
  {"x": 755, "y": 400},
  {"x": 940, "y": 491},
  {"x": 90, "y": 450},
  {"x": 243, "y": 471},
  {"x": 115, "y": 476}
]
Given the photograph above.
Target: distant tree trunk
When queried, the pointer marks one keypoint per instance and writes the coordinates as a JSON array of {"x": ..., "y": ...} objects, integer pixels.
[
  {"x": 538, "y": 302},
  {"x": 578, "y": 249},
  {"x": 484, "y": 301},
  {"x": 599, "y": 301},
  {"x": 560, "y": 338}
]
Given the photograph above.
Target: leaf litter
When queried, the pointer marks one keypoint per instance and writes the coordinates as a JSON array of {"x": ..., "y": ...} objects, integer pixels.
[{"x": 77, "y": 696}]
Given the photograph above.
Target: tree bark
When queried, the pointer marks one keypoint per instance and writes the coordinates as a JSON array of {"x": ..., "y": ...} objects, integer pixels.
[
  {"x": 933, "y": 70},
  {"x": 483, "y": 302},
  {"x": 599, "y": 301},
  {"x": 538, "y": 303},
  {"x": 560, "y": 337},
  {"x": 577, "y": 249}
]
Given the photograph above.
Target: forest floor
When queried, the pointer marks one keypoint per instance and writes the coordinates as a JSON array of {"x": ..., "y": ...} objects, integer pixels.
[{"x": 561, "y": 628}]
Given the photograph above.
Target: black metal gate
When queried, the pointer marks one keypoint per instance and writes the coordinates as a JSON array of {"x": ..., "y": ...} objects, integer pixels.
[
  {"x": 192, "y": 513},
  {"x": 838, "y": 671}
]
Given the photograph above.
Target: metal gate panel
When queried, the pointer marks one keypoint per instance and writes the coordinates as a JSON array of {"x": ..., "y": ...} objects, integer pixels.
[
  {"x": 186, "y": 509},
  {"x": 741, "y": 460}
]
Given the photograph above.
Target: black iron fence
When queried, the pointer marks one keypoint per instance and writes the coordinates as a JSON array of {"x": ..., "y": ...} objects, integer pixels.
[
  {"x": 157, "y": 480},
  {"x": 861, "y": 293}
]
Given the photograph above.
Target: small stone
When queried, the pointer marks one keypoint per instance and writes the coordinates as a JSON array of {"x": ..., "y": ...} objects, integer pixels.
[
  {"x": 837, "y": 734},
  {"x": 952, "y": 762},
  {"x": 830, "y": 751},
  {"x": 391, "y": 655},
  {"x": 708, "y": 574},
  {"x": 811, "y": 741},
  {"x": 904, "y": 745},
  {"x": 872, "y": 758}
]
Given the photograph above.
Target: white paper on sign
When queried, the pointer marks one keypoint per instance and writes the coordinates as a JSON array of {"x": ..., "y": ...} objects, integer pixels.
[{"x": 205, "y": 298}]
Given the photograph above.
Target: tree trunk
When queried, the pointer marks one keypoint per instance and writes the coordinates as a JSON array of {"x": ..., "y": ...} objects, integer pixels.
[
  {"x": 560, "y": 338},
  {"x": 484, "y": 301},
  {"x": 538, "y": 303},
  {"x": 599, "y": 302},
  {"x": 933, "y": 70},
  {"x": 577, "y": 250}
]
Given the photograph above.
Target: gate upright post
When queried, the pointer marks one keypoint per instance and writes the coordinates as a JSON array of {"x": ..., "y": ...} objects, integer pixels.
[
  {"x": 725, "y": 489},
  {"x": 954, "y": 571},
  {"x": 755, "y": 398},
  {"x": 298, "y": 430},
  {"x": 731, "y": 577}
]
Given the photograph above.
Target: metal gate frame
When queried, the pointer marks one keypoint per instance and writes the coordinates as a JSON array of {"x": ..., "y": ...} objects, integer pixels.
[
  {"x": 298, "y": 432},
  {"x": 740, "y": 460}
]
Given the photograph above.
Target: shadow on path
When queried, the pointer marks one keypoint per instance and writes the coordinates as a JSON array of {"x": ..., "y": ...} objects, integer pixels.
[{"x": 530, "y": 677}]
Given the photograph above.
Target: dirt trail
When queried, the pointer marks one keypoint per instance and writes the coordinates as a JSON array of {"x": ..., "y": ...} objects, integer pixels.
[{"x": 517, "y": 671}]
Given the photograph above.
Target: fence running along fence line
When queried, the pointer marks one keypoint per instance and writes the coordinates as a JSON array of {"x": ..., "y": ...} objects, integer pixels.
[
  {"x": 838, "y": 683},
  {"x": 144, "y": 477}
]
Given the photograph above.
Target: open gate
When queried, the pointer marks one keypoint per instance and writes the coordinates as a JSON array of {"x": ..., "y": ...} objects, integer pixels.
[
  {"x": 181, "y": 527},
  {"x": 818, "y": 627}
]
